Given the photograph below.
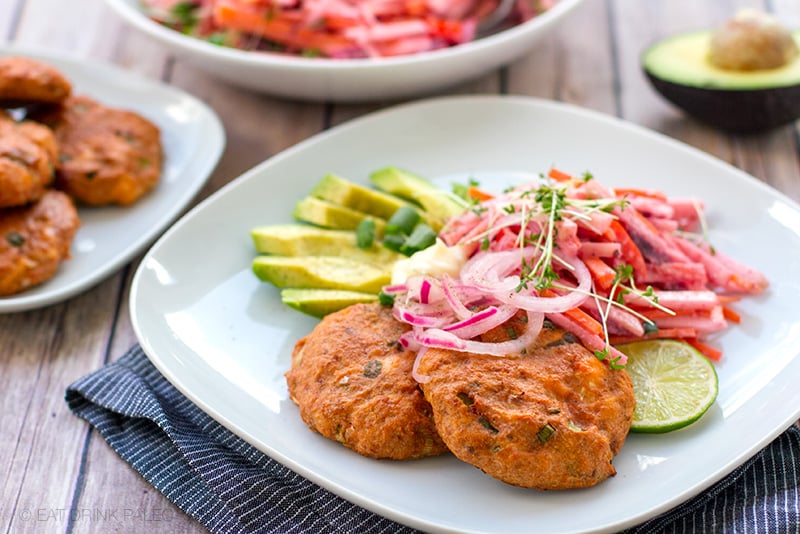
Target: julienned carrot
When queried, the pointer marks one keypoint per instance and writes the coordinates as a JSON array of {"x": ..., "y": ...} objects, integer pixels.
[
  {"x": 707, "y": 350},
  {"x": 629, "y": 252},
  {"x": 602, "y": 273},
  {"x": 559, "y": 176},
  {"x": 585, "y": 321},
  {"x": 589, "y": 339},
  {"x": 578, "y": 316},
  {"x": 638, "y": 192},
  {"x": 278, "y": 28},
  {"x": 478, "y": 194},
  {"x": 731, "y": 315}
]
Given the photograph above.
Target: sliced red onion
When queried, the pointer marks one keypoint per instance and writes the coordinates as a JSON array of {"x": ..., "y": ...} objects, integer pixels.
[
  {"x": 492, "y": 271},
  {"x": 561, "y": 303},
  {"x": 511, "y": 347},
  {"x": 481, "y": 322},
  {"x": 394, "y": 289},
  {"x": 434, "y": 337},
  {"x": 409, "y": 341},
  {"x": 414, "y": 319},
  {"x": 415, "y": 374},
  {"x": 424, "y": 291},
  {"x": 419, "y": 285},
  {"x": 452, "y": 299}
]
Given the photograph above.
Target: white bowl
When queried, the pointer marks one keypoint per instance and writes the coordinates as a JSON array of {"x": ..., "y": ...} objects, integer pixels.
[{"x": 350, "y": 80}]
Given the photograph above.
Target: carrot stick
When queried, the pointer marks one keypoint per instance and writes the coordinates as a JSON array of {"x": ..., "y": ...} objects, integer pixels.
[
  {"x": 578, "y": 316},
  {"x": 585, "y": 321},
  {"x": 559, "y": 176},
  {"x": 731, "y": 315},
  {"x": 277, "y": 28},
  {"x": 630, "y": 252},
  {"x": 638, "y": 192},
  {"x": 602, "y": 273},
  {"x": 478, "y": 194},
  {"x": 708, "y": 351}
]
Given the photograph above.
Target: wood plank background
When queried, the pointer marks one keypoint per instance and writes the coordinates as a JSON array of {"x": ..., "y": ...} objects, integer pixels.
[{"x": 51, "y": 462}]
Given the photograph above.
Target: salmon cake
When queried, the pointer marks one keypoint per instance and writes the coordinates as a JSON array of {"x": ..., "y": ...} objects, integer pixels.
[
  {"x": 106, "y": 155},
  {"x": 28, "y": 153},
  {"x": 36, "y": 238},
  {"x": 26, "y": 81},
  {"x": 352, "y": 381},
  {"x": 550, "y": 418}
]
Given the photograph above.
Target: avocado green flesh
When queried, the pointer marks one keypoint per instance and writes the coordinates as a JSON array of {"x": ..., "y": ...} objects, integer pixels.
[
  {"x": 321, "y": 302},
  {"x": 683, "y": 60},
  {"x": 329, "y": 215},
  {"x": 401, "y": 183},
  {"x": 320, "y": 272},
  {"x": 345, "y": 193},
  {"x": 438, "y": 205},
  {"x": 307, "y": 240}
]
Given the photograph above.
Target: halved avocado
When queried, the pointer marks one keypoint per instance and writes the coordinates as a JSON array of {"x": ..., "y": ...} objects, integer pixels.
[{"x": 681, "y": 70}]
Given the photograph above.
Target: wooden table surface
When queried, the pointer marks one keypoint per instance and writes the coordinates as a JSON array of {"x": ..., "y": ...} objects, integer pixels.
[{"x": 50, "y": 461}]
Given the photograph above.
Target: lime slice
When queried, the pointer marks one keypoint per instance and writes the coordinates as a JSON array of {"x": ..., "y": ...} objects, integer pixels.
[{"x": 673, "y": 383}]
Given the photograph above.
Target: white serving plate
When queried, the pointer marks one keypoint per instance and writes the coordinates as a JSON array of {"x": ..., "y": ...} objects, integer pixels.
[
  {"x": 193, "y": 140},
  {"x": 224, "y": 339},
  {"x": 350, "y": 80}
]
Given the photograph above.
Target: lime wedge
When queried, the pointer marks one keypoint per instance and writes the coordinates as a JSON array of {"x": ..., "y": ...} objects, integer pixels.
[{"x": 673, "y": 383}]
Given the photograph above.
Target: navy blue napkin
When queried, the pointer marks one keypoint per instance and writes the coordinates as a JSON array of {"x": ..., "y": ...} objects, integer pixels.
[{"x": 231, "y": 487}]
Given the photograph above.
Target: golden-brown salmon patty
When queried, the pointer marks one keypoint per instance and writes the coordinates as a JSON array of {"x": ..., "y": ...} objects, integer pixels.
[
  {"x": 28, "y": 154},
  {"x": 25, "y": 81},
  {"x": 352, "y": 381},
  {"x": 551, "y": 418},
  {"x": 34, "y": 240},
  {"x": 106, "y": 155}
]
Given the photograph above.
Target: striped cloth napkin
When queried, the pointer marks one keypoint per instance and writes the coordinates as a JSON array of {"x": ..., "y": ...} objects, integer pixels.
[{"x": 230, "y": 487}]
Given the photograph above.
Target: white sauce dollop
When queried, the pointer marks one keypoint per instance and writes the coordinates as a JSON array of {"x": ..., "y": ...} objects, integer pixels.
[{"x": 436, "y": 260}]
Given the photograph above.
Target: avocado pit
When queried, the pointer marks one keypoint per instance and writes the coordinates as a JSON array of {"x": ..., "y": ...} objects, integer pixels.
[{"x": 742, "y": 77}]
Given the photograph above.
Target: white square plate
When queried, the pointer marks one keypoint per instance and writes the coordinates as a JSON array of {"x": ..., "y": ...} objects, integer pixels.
[
  {"x": 193, "y": 139},
  {"x": 224, "y": 339}
]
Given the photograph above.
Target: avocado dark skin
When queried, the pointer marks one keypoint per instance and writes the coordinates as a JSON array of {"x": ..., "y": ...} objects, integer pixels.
[
  {"x": 744, "y": 77},
  {"x": 738, "y": 111}
]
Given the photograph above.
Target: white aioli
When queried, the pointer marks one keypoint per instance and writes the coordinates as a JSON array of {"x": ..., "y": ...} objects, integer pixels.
[{"x": 435, "y": 260}]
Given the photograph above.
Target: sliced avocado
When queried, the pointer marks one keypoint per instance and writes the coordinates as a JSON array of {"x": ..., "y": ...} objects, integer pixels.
[
  {"x": 307, "y": 240},
  {"x": 401, "y": 183},
  {"x": 338, "y": 190},
  {"x": 322, "y": 272},
  {"x": 329, "y": 215},
  {"x": 321, "y": 302},
  {"x": 745, "y": 99},
  {"x": 438, "y": 205}
]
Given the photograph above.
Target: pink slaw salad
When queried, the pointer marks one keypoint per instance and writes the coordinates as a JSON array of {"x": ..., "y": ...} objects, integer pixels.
[
  {"x": 607, "y": 265},
  {"x": 335, "y": 28}
]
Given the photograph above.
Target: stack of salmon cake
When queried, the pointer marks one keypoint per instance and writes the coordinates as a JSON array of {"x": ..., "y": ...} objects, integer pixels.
[
  {"x": 59, "y": 150},
  {"x": 550, "y": 417}
]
